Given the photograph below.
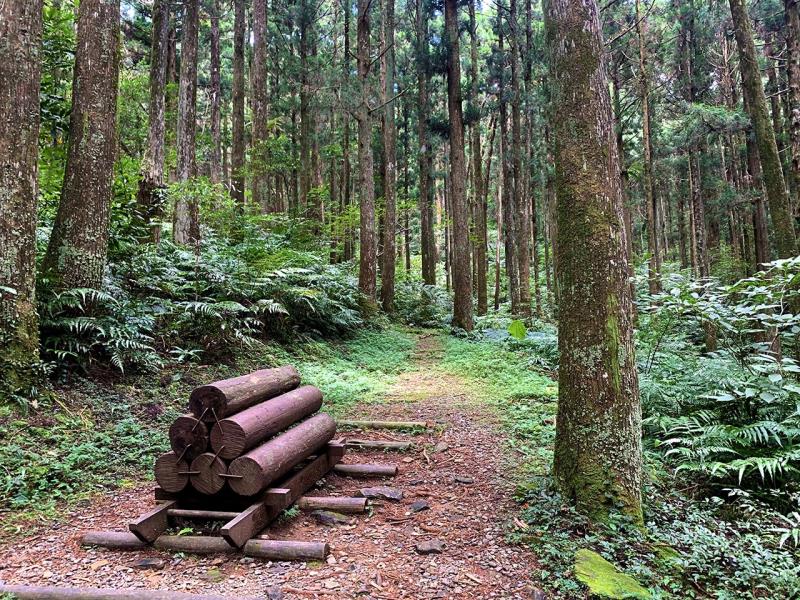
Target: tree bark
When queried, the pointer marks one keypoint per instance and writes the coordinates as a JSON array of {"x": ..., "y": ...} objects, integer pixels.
[
  {"x": 260, "y": 106},
  {"x": 479, "y": 195},
  {"x": 427, "y": 239},
  {"x": 76, "y": 254},
  {"x": 390, "y": 163},
  {"x": 654, "y": 265},
  {"x": 368, "y": 247},
  {"x": 186, "y": 221},
  {"x": 151, "y": 182},
  {"x": 20, "y": 72},
  {"x": 598, "y": 454},
  {"x": 772, "y": 174},
  {"x": 462, "y": 279},
  {"x": 216, "y": 96},
  {"x": 238, "y": 146},
  {"x": 522, "y": 230},
  {"x": 792, "y": 20}
]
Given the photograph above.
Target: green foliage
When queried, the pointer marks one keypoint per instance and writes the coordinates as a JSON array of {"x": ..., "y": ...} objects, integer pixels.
[{"x": 419, "y": 304}]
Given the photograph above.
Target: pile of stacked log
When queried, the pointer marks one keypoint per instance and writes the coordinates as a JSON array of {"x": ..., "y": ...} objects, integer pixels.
[{"x": 249, "y": 448}]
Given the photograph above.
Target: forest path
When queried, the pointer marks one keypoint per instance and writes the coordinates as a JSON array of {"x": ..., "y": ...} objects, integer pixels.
[{"x": 373, "y": 556}]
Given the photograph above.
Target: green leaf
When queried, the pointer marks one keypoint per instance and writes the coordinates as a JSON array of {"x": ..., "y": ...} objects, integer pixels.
[{"x": 517, "y": 329}]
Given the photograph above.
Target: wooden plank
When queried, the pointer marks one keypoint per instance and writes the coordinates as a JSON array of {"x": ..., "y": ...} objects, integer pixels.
[
  {"x": 335, "y": 450},
  {"x": 277, "y": 496},
  {"x": 152, "y": 524},
  {"x": 248, "y": 523}
]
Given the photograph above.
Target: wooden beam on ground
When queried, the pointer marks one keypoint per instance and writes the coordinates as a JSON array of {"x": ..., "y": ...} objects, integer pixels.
[
  {"x": 152, "y": 524},
  {"x": 367, "y": 470},
  {"x": 378, "y": 445},
  {"x": 116, "y": 540},
  {"x": 26, "y": 592},
  {"x": 344, "y": 505},
  {"x": 248, "y": 523},
  {"x": 211, "y": 515},
  {"x": 385, "y": 424},
  {"x": 286, "y": 550},
  {"x": 194, "y": 544}
]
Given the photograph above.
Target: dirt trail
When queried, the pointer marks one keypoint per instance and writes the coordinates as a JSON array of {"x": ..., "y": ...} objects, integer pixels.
[{"x": 374, "y": 556}]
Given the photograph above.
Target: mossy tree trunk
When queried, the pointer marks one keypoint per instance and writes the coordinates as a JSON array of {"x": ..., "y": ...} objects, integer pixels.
[
  {"x": 186, "y": 220},
  {"x": 772, "y": 174},
  {"x": 20, "y": 72},
  {"x": 237, "y": 104},
  {"x": 76, "y": 254},
  {"x": 151, "y": 182},
  {"x": 462, "y": 272},
  {"x": 367, "y": 262},
  {"x": 424, "y": 157},
  {"x": 390, "y": 163},
  {"x": 792, "y": 20},
  {"x": 598, "y": 454}
]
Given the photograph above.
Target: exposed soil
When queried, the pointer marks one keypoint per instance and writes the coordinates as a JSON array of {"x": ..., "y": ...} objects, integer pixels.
[{"x": 375, "y": 556}]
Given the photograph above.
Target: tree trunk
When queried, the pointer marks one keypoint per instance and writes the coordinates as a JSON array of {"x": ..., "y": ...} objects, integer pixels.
[
  {"x": 427, "y": 239},
  {"x": 76, "y": 255},
  {"x": 598, "y": 454},
  {"x": 20, "y": 70},
  {"x": 368, "y": 247},
  {"x": 348, "y": 230},
  {"x": 151, "y": 182},
  {"x": 390, "y": 163},
  {"x": 654, "y": 267},
  {"x": 237, "y": 117},
  {"x": 522, "y": 232},
  {"x": 772, "y": 174},
  {"x": 260, "y": 98},
  {"x": 216, "y": 96},
  {"x": 186, "y": 221},
  {"x": 462, "y": 280},
  {"x": 481, "y": 238},
  {"x": 792, "y": 20}
]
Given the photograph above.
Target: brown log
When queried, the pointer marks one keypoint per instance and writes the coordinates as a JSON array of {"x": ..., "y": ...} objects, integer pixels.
[
  {"x": 209, "y": 515},
  {"x": 234, "y": 435},
  {"x": 194, "y": 544},
  {"x": 207, "y": 473},
  {"x": 27, "y": 592},
  {"x": 171, "y": 473},
  {"x": 385, "y": 424},
  {"x": 117, "y": 540},
  {"x": 188, "y": 437},
  {"x": 344, "y": 505},
  {"x": 367, "y": 470},
  {"x": 152, "y": 524},
  {"x": 378, "y": 444},
  {"x": 286, "y": 550},
  {"x": 263, "y": 465},
  {"x": 227, "y": 397}
]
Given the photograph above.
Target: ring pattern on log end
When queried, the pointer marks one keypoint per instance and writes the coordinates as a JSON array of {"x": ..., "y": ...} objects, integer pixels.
[
  {"x": 171, "y": 473},
  {"x": 188, "y": 436},
  {"x": 207, "y": 470}
]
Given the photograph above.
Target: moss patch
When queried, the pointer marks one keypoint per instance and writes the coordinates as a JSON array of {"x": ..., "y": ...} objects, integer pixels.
[{"x": 604, "y": 580}]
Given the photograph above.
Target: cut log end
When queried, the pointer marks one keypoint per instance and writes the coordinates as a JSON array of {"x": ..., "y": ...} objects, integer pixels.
[
  {"x": 188, "y": 437},
  {"x": 171, "y": 473},
  {"x": 249, "y": 480},
  {"x": 229, "y": 439},
  {"x": 207, "y": 403},
  {"x": 207, "y": 473}
]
